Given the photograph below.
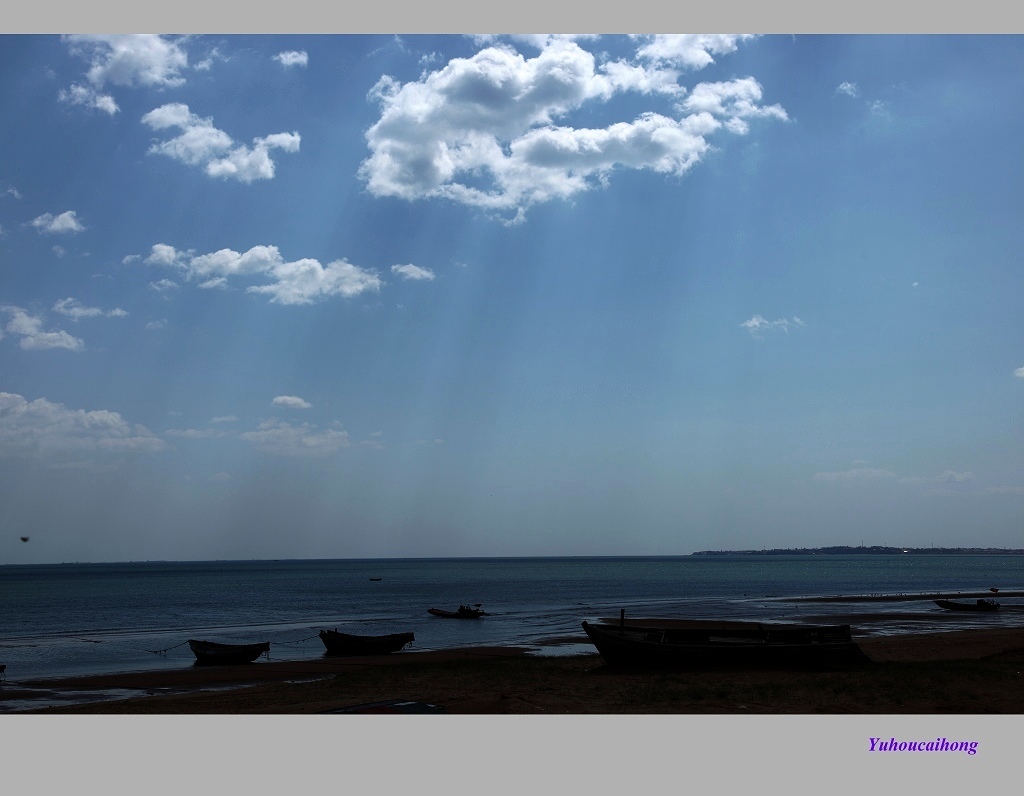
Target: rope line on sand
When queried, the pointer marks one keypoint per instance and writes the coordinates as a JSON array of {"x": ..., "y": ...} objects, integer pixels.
[
  {"x": 299, "y": 641},
  {"x": 161, "y": 652}
]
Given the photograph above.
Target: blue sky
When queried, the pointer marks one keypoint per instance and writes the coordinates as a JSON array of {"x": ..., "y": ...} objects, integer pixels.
[{"x": 374, "y": 295}]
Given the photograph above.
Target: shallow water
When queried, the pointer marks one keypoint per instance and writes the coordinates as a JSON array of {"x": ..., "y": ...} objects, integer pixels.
[{"x": 76, "y": 619}]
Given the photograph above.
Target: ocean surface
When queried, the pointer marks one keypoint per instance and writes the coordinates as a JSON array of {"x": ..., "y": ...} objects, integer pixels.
[{"x": 76, "y": 619}]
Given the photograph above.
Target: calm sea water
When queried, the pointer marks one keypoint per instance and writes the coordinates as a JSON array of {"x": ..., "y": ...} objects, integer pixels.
[{"x": 72, "y": 619}]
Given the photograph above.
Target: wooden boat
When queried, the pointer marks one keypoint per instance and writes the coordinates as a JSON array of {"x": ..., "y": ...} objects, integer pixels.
[
  {"x": 350, "y": 644},
  {"x": 212, "y": 653},
  {"x": 763, "y": 645},
  {"x": 464, "y": 612},
  {"x": 980, "y": 605}
]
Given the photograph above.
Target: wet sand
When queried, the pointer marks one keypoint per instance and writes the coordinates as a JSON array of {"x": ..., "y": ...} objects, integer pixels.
[{"x": 964, "y": 671}]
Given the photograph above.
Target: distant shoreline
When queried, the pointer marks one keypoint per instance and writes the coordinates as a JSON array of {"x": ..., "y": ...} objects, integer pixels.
[{"x": 867, "y": 551}]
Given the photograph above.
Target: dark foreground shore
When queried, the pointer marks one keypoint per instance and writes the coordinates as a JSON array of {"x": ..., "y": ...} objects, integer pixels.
[{"x": 960, "y": 672}]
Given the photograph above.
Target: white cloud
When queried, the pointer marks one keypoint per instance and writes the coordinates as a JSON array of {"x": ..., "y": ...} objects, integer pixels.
[
  {"x": 88, "y": 97},
  {"x": 757, "y": 325},
  {"x": 412, "y": 272},
  {"x": 163, "y": 286},
  {"x": 75, "y": 310},
  {"x": 285, "y": 439},
  {"x": 1019, "y": 373},
  {"x": 856, "y": 474},
  {"x": 291, "y": 402},
  {"x": 953, "y": 477},
  {"x": 130, "y": 59},
  {"x": 193, "y": 433},
  {"x": 156, "y": 325},
  {"x": 33, "y": 338},
  {"x": 42, "y": 427},
  {"x": 65, "y": 222},
  {"x": 292, "y": 58},
  {"x": 847, "y": 88},
  {"x": 482, "y": 130},
  {"x": 12, "y": 191},
  {"x": 298, "y": 282},
  {"x": 693, "y": 50},
  {"x": 202, "y": 144},
  {"x": 224, "y": 419}
]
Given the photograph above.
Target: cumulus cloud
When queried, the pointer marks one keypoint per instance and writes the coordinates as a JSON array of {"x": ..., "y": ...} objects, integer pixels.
[
  {"x": 757, "y": 325},
  {"x": 413, "y": 272},
  {"x": 693, "y": 50},
  {"x": 291, "y": 402},
  {"x": 847, "y": 88},
  {"x": 485, "y": 131},
  {"x": 65, "y": 222},
  {"x": 298, "y": 282},
  {"x": 285, "y": 439},
  {"x": 224, "y": 419},
  {"x": 201, "y": 144},
  {"x": 41, "y": 427},
  {"x": 75, "y": 310},
  {"x": 292, "y": 58},
  {"x": 1019, "y": 373},
  {"x": 88, "y": 97},
  {"x": 130, "y": 59},
  {"x": 33, "y": 338}
]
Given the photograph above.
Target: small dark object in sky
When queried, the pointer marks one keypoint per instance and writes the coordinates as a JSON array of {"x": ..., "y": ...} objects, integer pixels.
[{"x": 24, "y": 538}]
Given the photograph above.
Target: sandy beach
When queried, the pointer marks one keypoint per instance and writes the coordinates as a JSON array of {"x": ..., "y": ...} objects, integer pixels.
[{"x": 958, "y": 672}]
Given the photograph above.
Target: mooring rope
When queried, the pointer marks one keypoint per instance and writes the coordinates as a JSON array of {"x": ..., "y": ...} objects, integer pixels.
[
  {"x": 299, "y": 641},
  {"x": 161, "y": 652}
]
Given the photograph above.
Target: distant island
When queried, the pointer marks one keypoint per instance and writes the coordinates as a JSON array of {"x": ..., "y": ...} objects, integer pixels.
[{"x": 843, "y": 550}]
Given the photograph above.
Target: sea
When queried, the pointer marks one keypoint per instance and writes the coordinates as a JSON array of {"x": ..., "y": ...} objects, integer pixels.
[{"x": 66, "y": 620}]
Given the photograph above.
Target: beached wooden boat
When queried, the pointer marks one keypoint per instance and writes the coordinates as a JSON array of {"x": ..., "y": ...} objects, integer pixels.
[
  {"x": 212, "y": 653},
  {"x": 981, "y": 605},
  {"x": 349, "y": 644},
  {"x": 762, "y": 645},
  {"x": 464, "y": 612}
]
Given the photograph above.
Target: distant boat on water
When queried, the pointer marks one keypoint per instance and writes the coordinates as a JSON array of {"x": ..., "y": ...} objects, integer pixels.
[
  {"x": 211, "y": 653},
  {"x": 374, "y": 578},
  {"x": 464, "y": 612}
]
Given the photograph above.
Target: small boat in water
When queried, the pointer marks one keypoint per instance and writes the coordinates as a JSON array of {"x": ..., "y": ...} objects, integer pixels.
[
  {"x": 464, "y": 612},
  {"x": 764, "y": 645},
  {"x": 209, "y": 653},
  {"x": 980, "y": 605},
  {"x": 350, "y": 644}
]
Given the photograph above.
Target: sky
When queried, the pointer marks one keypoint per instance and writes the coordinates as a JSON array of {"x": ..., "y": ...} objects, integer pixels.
[{"x": 340, "y": 296}]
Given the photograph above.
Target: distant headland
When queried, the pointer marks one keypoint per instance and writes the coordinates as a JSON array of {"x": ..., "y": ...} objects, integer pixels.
[{"x": 842, "y": 550}]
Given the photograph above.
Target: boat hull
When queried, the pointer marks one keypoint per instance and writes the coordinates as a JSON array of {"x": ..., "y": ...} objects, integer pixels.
[
  {"x": 984, "y": 607},
  {"x": 462, "y": 613},
  {"x": 346, "y": 644},
  {"x": 778, "y": 647},
  {"x": 209, "y": 653}
]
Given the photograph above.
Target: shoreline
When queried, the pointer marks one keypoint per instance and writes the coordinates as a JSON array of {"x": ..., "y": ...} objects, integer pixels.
[{"x": 958, "y": 671}]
